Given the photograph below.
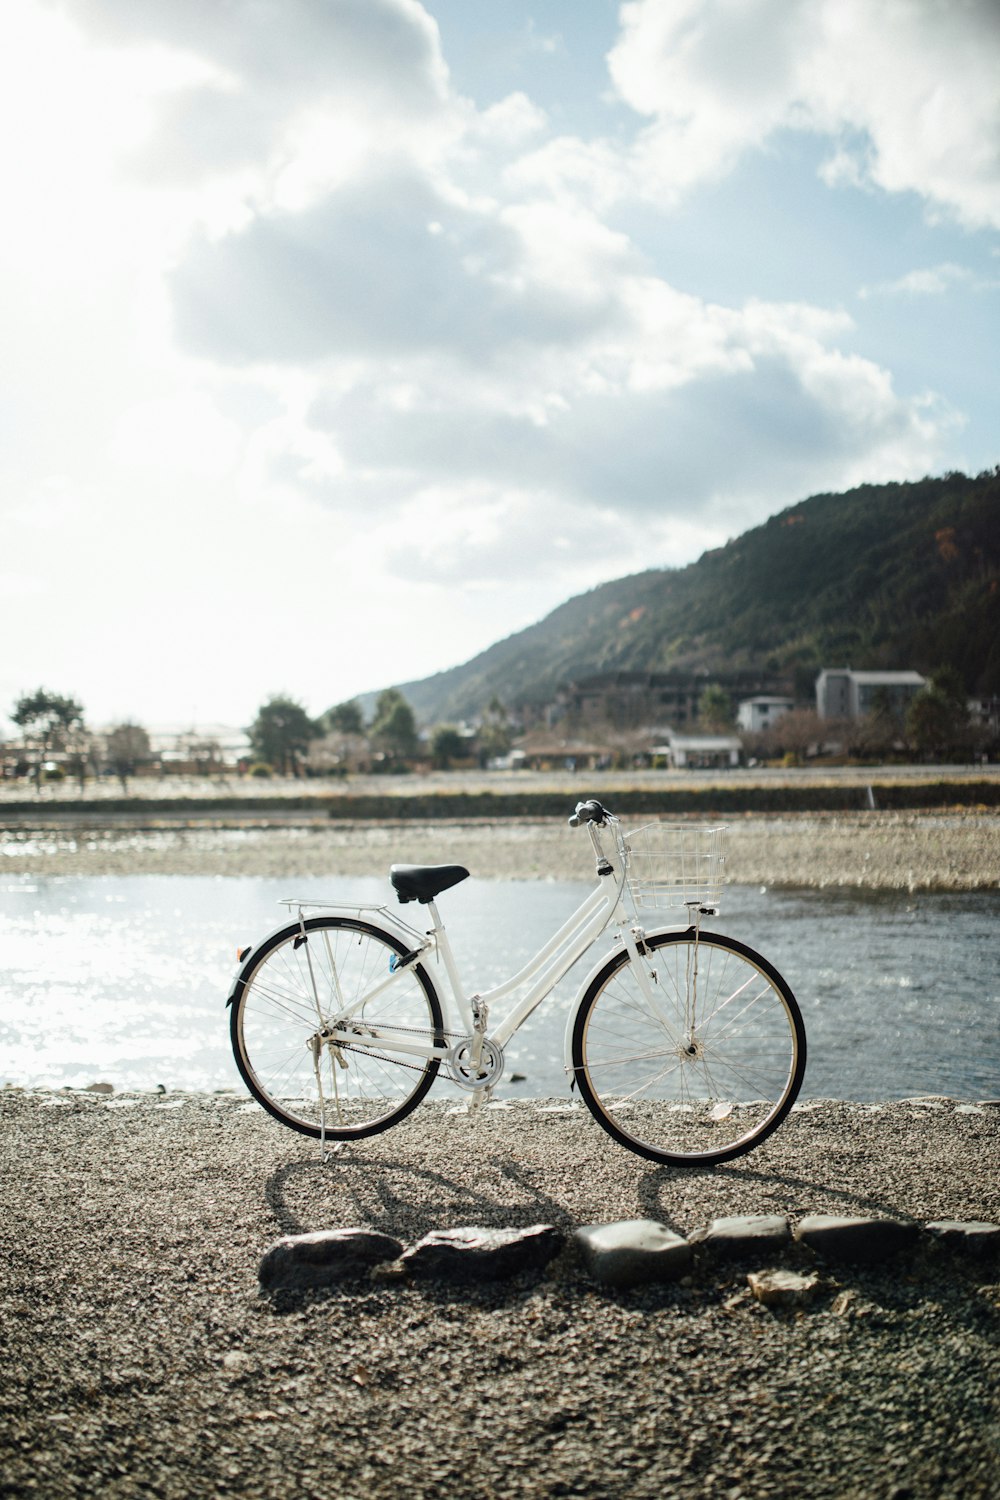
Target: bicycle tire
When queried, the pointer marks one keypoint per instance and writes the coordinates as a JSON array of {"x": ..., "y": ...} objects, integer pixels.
[
  {"x": 699, "y": 1066},
  {"x": 290, "y": 987}
]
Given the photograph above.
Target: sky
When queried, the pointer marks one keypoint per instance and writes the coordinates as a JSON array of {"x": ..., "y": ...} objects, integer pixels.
[{"x": 340, "y": 339}]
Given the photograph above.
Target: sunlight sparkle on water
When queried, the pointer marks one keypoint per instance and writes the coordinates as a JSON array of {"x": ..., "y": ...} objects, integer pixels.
[{"x": 124, "y": 979}]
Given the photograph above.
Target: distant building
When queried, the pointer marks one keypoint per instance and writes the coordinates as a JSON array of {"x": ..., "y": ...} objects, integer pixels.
[
  {"x": 546, "y": 752},
  {"x": 699, "y": 751},
  {"x": 843, "y": 694},
  {"x": 984, "y": 713},
  {"x": 755, "y": 715},
  {"x": 632, "y": 699},
  {"x": 178, "y": 746}
]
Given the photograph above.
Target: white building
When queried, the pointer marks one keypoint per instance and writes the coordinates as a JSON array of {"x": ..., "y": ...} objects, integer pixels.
[
  {"x": 700, "y": 751},
  {"x": 180, "y": 743},
  {"x": 843, "y": 694},
  {"x": 755, "y": 715},
  {"x": 984, "y": 713}
]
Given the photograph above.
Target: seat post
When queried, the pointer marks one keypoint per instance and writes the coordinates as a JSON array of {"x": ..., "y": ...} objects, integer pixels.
[{"x": 444, "y": 949}]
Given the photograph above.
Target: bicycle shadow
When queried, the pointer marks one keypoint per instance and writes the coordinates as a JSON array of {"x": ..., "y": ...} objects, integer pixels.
[
  {"x": 405, "y": 1200},
  {"x": 773, "y": 1192}
]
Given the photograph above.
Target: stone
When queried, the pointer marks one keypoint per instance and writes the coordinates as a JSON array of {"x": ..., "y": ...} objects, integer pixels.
[
  {"x": 850, "y": 1304},
  {"x": 633, "y": 1252},
  {"x": 865, "y": 1241},
  {"x": 481, "y": 1254},
  {"x": 743, "y": 1235},
  {"x": 783, "y": 1288},
  {"x": 301, "y": 1262},
  {"x": 971, "y": 1236}
]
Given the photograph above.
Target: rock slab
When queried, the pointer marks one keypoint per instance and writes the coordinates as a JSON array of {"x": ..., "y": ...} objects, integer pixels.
[
  {"x": 971, "y": 1236},
  {"x": 633, "y": 1252},
  {"x": 301, "y": 1262},
  {"x": 474, "y": 1253},
  {"x": 863, "y": 1241},
  {"x": 738, "y": 1237}
]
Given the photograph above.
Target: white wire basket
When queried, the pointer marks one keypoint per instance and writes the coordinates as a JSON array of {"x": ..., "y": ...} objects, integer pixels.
[{"x": 676, "y": 864}]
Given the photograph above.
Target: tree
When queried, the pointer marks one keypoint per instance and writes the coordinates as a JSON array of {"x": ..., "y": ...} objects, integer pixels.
[
  {"x": 394, "y": 726},
  {"x": 799, "y": 732},
  {"x": 126, "y": 745},
  {"x": 949, "y": 683},
  {"x": 937, "y": 718},
  {"x": 880, "y": 730},
  {"x": 50, "y": 721},
  {"x": 446, "y": 745},
  {"x": 281, "y": 733},
  {"x": 346, "y": 718},
  {"x": 715, "y": 708},
  {"x": 495, "y": 736}
]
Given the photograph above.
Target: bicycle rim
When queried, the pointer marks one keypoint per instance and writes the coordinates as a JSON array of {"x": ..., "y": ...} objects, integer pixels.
[
  {"x": 295, "y": 988},
  {"x": 696, "y": 1060}
]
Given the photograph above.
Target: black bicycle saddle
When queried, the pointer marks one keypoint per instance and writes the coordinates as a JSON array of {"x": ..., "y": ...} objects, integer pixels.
[{"x": 424, "y": 882}]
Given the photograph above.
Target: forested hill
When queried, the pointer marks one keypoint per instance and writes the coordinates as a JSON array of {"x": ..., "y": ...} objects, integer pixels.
[{"x": 884, "y": 576}]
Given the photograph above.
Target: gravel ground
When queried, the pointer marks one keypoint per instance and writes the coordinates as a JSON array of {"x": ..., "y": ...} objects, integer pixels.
[
  {"x": 902, "y": 851},
  {"x": 140, "y": 1358}
]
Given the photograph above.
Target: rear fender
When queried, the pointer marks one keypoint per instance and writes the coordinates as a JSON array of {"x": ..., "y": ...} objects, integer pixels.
[{"x": 248, "y": 956}]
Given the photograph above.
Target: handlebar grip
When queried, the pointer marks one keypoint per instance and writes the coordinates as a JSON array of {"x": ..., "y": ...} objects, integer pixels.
[{"x": 588, "y": 812}]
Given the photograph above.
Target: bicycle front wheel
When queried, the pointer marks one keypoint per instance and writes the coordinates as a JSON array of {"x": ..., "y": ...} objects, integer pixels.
[
  {"x": 697, "y": 1056},
  {"x": 297, "y": 989}
]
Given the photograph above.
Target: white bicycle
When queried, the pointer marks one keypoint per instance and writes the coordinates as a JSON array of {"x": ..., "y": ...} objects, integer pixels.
[{"x": 687, "y": 1047}]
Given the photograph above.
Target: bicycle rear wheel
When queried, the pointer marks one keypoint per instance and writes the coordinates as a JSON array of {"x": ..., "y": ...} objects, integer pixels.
[
  {"x": 296, "y": 985},
  {"x": 694, "y": 1060}
]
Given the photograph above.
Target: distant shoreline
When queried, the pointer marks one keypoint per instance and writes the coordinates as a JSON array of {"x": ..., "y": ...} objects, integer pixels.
[{"x": 541, "y": 794}]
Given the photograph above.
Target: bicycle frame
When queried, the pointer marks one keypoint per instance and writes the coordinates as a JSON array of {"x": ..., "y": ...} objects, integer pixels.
[
  {"x": 548, "y": 966},
  {"x": 541, "y": 973}
]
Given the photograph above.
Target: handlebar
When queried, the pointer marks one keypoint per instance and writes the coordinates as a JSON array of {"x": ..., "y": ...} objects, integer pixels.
[{"x": 590, "y": 811}]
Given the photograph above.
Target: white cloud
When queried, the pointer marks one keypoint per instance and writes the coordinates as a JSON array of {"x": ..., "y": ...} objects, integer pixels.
[
  {"x": 909, "y": 91},
  {"x": 346, "y": 377},
  {"x": 931, "y": 281}
]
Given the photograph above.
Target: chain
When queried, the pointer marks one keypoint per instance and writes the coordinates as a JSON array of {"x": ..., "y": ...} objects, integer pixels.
[
  {"x": 391, "y": 1026},
  {"x": 398, "y": 1062}
]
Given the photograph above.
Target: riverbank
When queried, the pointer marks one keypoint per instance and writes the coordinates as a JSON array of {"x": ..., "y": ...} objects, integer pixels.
[
  {"x": 141, "y": 1358},
  {"x": 955, "y": 850},
  {"x": 527, "y": 796}
]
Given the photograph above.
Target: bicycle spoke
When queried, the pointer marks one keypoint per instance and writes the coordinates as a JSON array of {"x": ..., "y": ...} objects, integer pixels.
[
  {"x": 727, "y": 1073},
  {"x": 353, "y": 1088}
]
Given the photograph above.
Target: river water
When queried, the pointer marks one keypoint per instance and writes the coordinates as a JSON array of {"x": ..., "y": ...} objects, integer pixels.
[{"x": 124, "y": 979}]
